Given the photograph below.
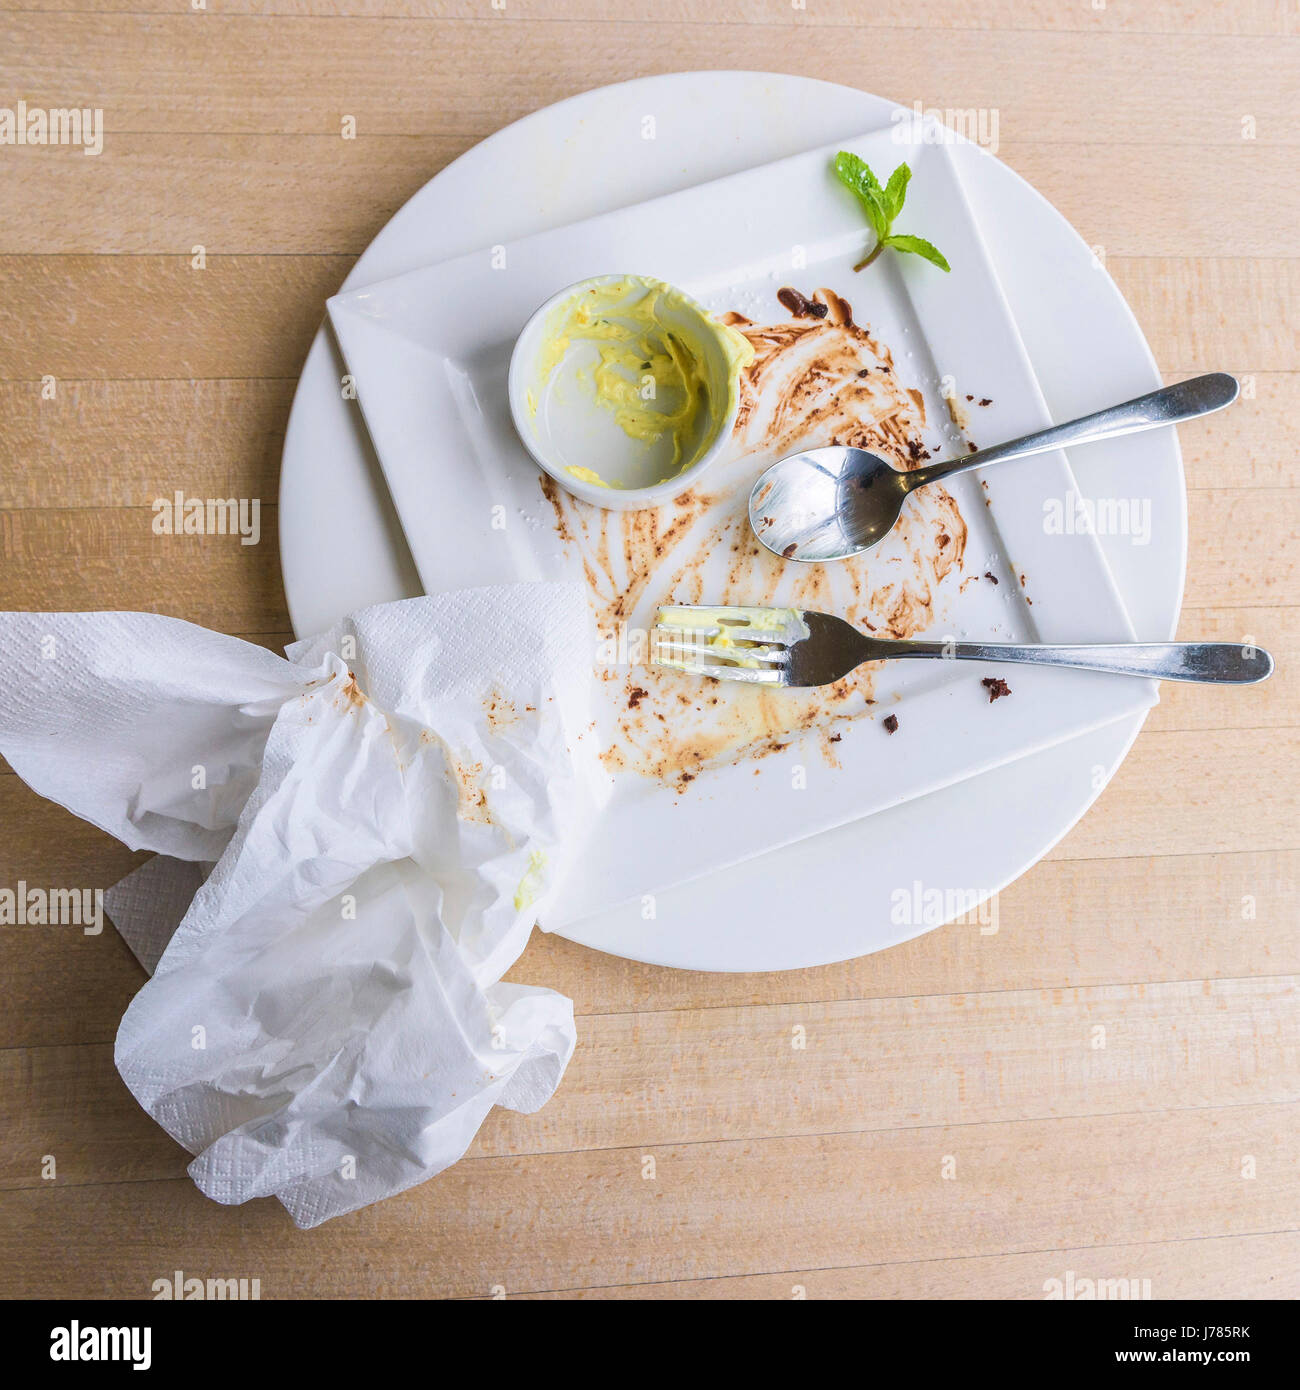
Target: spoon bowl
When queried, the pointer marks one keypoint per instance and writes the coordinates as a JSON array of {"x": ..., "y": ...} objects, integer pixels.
[{"x": 827, "y": 504}]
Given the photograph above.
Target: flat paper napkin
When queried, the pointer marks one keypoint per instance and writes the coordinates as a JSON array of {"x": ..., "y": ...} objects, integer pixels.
[{"x": 387, "y": 811}]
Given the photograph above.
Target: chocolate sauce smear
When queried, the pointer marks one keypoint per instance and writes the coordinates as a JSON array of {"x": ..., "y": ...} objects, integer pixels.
[
  {"x": 800, "y": 305},
  {"x": 816, "y": 378}
]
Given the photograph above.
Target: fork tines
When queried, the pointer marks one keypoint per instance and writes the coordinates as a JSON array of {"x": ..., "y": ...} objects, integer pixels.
[{"x": 736, "y": 644}]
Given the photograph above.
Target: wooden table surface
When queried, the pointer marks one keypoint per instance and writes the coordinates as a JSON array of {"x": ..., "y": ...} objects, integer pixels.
[{"x": 953, "y": 1126}]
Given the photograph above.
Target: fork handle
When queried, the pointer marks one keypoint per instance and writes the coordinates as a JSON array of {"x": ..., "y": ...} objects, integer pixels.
[{"x": 1222, "y": 663}]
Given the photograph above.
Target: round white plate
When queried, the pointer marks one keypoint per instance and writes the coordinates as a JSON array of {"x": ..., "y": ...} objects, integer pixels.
[{"x": 833, "y": 896}]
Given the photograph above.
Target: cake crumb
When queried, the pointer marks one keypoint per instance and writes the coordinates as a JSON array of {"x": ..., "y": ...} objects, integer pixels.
[{"x": 996, "y": 687}]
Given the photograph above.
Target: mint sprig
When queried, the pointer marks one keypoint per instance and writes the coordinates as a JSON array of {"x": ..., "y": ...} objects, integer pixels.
[{"x": 882, "y": 204}]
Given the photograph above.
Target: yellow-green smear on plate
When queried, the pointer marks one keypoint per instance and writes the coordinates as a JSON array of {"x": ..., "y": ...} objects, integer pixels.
[{"x": 651, "y": 373}]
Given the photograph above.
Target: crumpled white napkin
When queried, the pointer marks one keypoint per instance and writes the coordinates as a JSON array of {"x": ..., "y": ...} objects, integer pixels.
[{"x": 388, "y": 811}]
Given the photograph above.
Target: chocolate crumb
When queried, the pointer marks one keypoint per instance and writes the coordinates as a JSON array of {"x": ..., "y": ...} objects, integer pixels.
[
  {"x": 834, "y": 738},
  {"x": 635, "y": 696},
  {"x": 866, "y": 371},
  {"x": 789, "y": 550},
  {"x": 993, "y": 577},
  {"x": 996, "y": 687},
  {"x": 986, "y": 401},
  {"x": 890, "y": 722},
  {"x": 943, "y": 540},
  {"x": 970, "y": 398}
]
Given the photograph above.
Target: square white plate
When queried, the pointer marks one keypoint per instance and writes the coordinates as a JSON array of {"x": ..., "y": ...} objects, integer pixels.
[{"x": 428, "y": 352}]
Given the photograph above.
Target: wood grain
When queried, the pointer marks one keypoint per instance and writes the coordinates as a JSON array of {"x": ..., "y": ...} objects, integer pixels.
[
  {"x": 318, "y": 194},
  {"x": 221, "y": 73},
  {"x": 1251, "y": 1266},
  {"x": 590, "y": 1219},
  {"x": 1101, "y": 1069},
  {"x": 796, "y": 1068},
  {"x": 1243, "y": 17}
]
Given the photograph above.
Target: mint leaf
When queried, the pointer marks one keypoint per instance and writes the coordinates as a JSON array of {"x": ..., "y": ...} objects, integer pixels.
[
  {"x": 855, "y": 174},
  {"x": 896, "y": 190},
  {"x": 855, "y": 171},
  {"x": 882, "y": 206},
  {"x": 926, "y": 250}
]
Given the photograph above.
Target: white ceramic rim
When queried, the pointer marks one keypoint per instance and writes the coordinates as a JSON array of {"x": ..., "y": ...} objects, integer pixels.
[{"x": 627, "y": 499}]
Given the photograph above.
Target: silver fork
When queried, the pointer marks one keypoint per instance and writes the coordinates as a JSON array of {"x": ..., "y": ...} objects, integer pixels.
[{"x": 800, "y": 647}]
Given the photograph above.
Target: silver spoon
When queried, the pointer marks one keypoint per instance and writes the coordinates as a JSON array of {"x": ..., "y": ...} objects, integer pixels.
[{"x": 828, "y": 504}]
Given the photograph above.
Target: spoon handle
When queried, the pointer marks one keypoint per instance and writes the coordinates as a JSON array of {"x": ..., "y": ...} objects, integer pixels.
[
  {"x": 1224, "y": 663},
  {"x": 1185, "y": 400}
]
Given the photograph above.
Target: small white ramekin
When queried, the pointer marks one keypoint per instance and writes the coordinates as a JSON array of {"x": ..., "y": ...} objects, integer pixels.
[{"x": 523, "y": 378}]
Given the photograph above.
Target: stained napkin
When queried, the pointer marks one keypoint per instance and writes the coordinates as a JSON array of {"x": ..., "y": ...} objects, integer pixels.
[{"x": 385, "y": 812}]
